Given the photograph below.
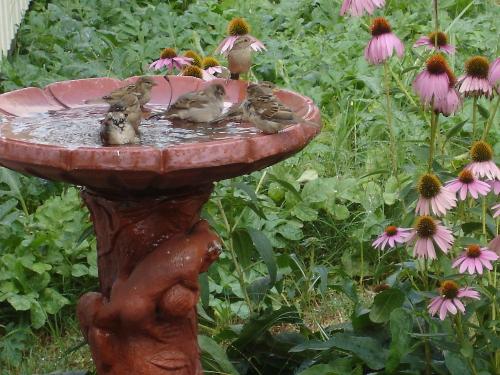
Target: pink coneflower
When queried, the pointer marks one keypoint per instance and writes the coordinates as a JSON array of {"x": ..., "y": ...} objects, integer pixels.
[
  {"x": 426, "y": 232},
  {"x": 449, "y": 299},
  {"x": 451, "y": 102},
  {"x": 494, "y": 74},
  {"x": 434, "y": 39},
  {"x": 496, "y": 210},
  {"x": 434, "y": 196},
  {"x": 433, "y": 83},
  {"x": 495, "y": 186},
  {"x": 170, "y": 59},
  {"x": 467, "y": 183},
  {"x": 383, "y": 43},
  {"x": 475, "y": 80},
  {"x": 482, "y": 161},
  {"x": 358, "y": 7},
  {"x": 391, "y": 237},
  {"x": 474, "y": 258},
  {"x": 212, "y": 67},
  {"x": 237, "y": 28}
]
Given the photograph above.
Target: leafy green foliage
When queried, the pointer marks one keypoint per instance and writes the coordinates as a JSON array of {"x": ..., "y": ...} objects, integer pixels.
[
  {"x": 292, "y": 292},
  {"x": 40, "y": 252}
]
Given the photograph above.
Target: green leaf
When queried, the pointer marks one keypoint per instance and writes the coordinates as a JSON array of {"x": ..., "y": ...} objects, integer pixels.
[
  {"x": 456, "y": 364},
  {"x": 20, "y": 302},
  {"x": 291, "y": 230},
  {"x": 483, "y": 111},
  {"x": 204, "y": 288},
  {"x": 243, "y": 247},
  {"x": 308, "y": 175},
  {"x": 254, "y": 202},
  {"x": 304, "y": 212},
  {"x": 319, "y": 370},
  {"x": 401, "y": 324},
  {"x": 391, "y": 191},
  {"x": 384, "y": 303},
  {"x": 79, "y": 270},
  {"x": 214, "y": 357},
  {"x": 367, "y": 349},
  {"x": 256, "y": 326},
  {"x": 248, "y": 190},
  {"x": 41, "y": 267},
  {"x": 265, "y": 250},
  {"x": 287, "y": 186},
  {"x": 454, "y": 130},
  {"x": 52, "y": 301},
  {"x": 339, "y": 211},
  {"x": 319, "y": 190},
  {"x": 258, "y": 288},
  {"x": 38, "y": 316},
  {"x": 12, "y": 180},
  {"x": 7, "y": 207}
]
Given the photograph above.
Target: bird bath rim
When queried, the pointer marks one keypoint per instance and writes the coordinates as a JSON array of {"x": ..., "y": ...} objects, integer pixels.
[{"x": 147, "y": 169}]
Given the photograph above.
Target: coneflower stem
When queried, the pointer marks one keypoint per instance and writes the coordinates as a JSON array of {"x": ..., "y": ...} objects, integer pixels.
[
  {"x": 387, "y": 81},
  {"x": 461, "y": 339},
  {"x": 491, "y": 119},
  {"x": 474, "y": 117},
  {"x": 484, "y": 217},
  {"x": 432, "y": 141},
  {"x": 436, "y": 20},
  {"x": 428, "y": 357}
]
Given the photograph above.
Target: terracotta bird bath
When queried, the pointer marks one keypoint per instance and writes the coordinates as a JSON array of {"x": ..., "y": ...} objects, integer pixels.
[{"x": 145, "y": 203}]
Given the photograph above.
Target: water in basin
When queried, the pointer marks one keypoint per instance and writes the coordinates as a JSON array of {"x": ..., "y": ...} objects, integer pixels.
[{"x": 79, "y": 127}]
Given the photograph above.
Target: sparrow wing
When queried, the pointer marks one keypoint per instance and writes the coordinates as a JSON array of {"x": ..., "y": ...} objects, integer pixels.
[
  {"x": 191, "y": 100},
  {"x": 272, "y": 110},
  {"x": 115, "y": 94}
]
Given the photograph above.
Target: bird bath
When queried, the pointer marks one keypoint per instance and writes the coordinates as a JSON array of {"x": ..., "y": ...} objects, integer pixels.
[{"x": 145, "y": 203}]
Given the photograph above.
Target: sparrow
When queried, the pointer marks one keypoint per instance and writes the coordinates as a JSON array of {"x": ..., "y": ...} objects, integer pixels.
[
  {"x": 197, "y": 106},
  {"x": 141, "y": 88},
  {"x": 235, "y": 112},
  {"x": 119, "y": 126},
  {"x": 266, "y": 112},
  {"x": 239, "y": 58}
]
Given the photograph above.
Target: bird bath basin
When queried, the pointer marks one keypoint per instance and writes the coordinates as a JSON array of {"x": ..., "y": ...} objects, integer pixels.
[{"x": 145, "y": 202}]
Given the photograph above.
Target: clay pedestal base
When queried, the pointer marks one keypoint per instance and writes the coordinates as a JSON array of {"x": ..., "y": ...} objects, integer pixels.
[{"x": 150, "y": 253}]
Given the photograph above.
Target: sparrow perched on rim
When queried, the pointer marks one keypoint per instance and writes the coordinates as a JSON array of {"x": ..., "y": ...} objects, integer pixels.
[
  {"x": 141, "y": 88},
  {"x": 235, "y": 112},
  {"x": 266, "y": 112},
  {"x": 116, "y": 127},
  {"x": 239, "y": 58},
  {"x": 197, "y": 106}
]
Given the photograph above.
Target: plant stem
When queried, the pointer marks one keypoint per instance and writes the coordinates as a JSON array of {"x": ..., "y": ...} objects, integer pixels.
[
  {"x": 259, "y": 184},
  {"x": 426, "y": 274},
  {"x": 428, "y": 357},
  {"x": 393, "y": 149},
  {"x": 362, "y": 273},
  {"x": 474, "y": 117},
  {"x": 484, "y": 217},
  {"x": 432, "y": 142},
  {"x": 491, "y": 119},
  {"x": 436, "y": 19},
  {"x": 461, "y": 338},
  {"x": 239, "y": 271}
]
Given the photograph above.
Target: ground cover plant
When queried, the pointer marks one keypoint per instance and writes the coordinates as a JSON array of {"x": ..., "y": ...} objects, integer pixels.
[{"x": 371, "y": 251}]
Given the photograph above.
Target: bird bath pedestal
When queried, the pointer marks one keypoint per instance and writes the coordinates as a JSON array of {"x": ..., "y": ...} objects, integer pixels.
[{"x": 145, "y": 203}]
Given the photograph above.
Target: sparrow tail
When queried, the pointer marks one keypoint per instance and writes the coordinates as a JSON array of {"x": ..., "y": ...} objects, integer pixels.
[
  {"x": 95, "y": 101},
  {"x": 310, "y": 123}
]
